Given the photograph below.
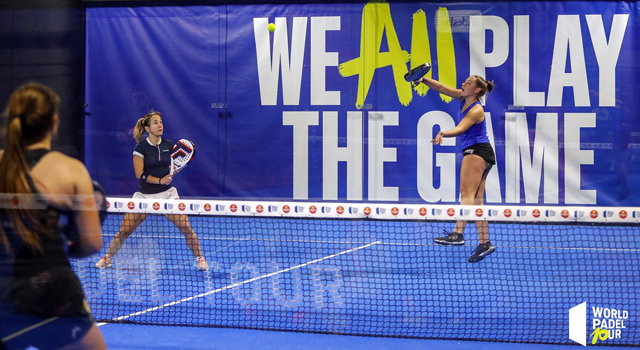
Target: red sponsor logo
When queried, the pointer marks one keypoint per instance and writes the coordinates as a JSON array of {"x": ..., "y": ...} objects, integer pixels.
[
  {"x": 108, "y": 204},
  {"x": 508, "y": 213},
  {"x": 422, "y": 211},
  {"x": 451, "y": 212},
  {"x": 536, "y": 213},
  {"x": 286, "y": 209},
  {"x": 593, "y": 214},
  {"x": 15, "y": 200},
  {"x": 259, "y": 208},
  {"x": 131, "y": 205},
  {"x": 182, "y": 206},
  {"x": 395, "y": 211},
  {"x": 340, "y": 210},
  {"x": 367, "y": 211},
  {"x": 479, "y": 212},
  {"x": 207, "y": 207},
  {"x": 564, "y": 213},
  {"x": 313, "y": 209},
  {"x": 156, "y": 206},
  {"x": 622, "y": 214},
  {"x": 233, "y": 208}
]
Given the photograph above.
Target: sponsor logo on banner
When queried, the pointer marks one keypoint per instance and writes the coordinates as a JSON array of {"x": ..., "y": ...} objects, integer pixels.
[{"x": 606, "y": 324}]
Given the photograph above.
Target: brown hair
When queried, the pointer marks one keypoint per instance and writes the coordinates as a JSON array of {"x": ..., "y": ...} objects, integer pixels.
[
  {"x": 138, "y": 130},
  {"x": 484, "y": 85},
  {"x": 30, "y": 114}
]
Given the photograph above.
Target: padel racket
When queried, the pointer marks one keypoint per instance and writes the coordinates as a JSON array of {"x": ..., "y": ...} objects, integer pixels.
[
  {"x": 417, "y": 72},
  {"x": 181, "y": 154}
]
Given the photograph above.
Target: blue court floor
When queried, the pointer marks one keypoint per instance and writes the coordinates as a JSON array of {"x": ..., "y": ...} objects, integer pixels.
[{"x": 130, "y": 337}]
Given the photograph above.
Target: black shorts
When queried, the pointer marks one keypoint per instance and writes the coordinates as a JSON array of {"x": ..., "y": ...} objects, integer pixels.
[{"x": 483, "y": 150}]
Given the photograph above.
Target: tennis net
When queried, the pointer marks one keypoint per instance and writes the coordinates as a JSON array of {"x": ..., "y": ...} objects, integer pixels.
[{"x": 373, "y": 269}]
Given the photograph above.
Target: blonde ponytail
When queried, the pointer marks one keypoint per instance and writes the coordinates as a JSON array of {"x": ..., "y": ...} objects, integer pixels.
[{"x": 138, "y": 130}]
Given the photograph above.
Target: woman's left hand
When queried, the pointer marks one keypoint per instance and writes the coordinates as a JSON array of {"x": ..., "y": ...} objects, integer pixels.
[
  {"x": 438, "y": 139},
  {"x": 166, "y": 180}
]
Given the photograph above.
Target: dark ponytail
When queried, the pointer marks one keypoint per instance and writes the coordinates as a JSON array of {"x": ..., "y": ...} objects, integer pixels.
[
  {"x": 30, "y": 115},
  {"x": 484, "y": 85}
]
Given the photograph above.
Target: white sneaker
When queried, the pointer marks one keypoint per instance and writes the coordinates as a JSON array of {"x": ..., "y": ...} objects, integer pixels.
[
  {"x": 202, "y": 264},
  {"x": 104, "y": 262}
]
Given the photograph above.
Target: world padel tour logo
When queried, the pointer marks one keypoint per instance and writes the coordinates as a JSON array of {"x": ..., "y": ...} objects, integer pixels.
[{"x": 606, "y": 324}]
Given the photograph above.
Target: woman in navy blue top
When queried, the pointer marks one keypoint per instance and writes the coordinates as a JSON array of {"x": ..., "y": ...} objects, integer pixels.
[
  {"x": 151, "y": 163},
  {"x": 478, "y": 156},
  {"x": 42, "y": 304}
]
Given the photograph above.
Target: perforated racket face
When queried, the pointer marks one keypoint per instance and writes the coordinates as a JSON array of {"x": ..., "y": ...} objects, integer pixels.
[
  {"x": 417, "y": 72},
  {"x": 181, "y": 154}
]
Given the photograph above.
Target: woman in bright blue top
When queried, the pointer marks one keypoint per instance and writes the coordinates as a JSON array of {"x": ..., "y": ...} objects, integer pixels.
[{"x": 478, "y": 156}]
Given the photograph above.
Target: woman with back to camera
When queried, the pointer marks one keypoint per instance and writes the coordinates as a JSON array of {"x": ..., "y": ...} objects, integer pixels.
[
  {"x": 41, "y": 299},
  {"x": 478, "y": 156},
  {"x": 151, "y": 163}
]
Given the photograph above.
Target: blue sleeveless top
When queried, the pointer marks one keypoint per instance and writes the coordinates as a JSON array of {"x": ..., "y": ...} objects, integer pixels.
[{"x": 477, "y": 133}]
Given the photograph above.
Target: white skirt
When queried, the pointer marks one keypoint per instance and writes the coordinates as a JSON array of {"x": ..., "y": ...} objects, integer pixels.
[{"x": 171, "y": 193}]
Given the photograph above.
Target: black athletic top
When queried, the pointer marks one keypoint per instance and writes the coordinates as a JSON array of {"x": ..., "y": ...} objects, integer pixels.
[
  {"x": 157, "y": 160},
  {"x": 39, "y": 283}
]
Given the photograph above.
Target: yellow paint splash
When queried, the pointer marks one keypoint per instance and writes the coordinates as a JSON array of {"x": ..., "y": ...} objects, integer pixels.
[
  {"x": 376, "y": 22},
  {"x": 446, "y": 52}
]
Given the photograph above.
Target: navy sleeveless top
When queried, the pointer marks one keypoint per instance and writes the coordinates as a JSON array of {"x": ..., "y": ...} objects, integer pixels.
[{"x": 39, "y": 282}]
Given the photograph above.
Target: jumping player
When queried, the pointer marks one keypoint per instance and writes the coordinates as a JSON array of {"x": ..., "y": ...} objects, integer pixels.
[{"x": 478, "y": 156}]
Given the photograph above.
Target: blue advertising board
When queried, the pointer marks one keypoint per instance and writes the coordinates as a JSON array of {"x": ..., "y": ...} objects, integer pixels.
[{"x": 318, "y": 109}]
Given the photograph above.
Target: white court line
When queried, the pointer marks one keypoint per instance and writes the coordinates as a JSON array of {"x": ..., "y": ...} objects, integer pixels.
[{"x": 239, "y": 283}]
